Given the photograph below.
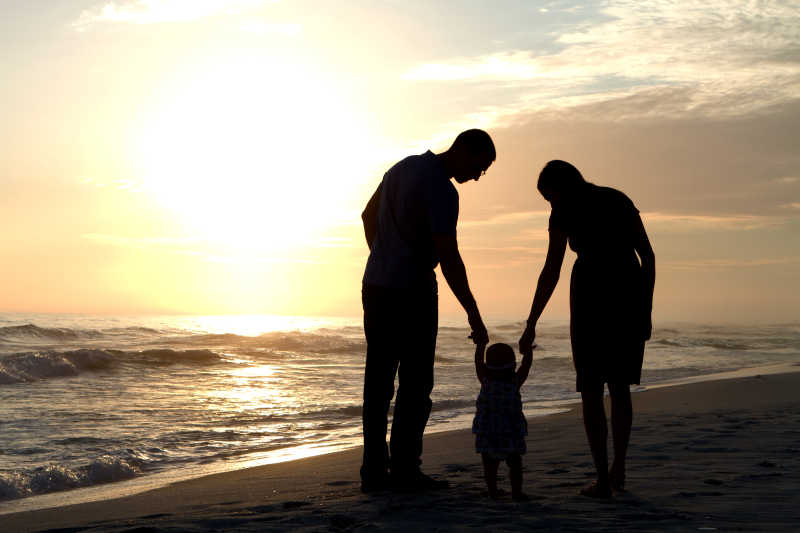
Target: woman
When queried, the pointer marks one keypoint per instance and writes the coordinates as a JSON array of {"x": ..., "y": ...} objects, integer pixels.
[{"x": 611, "y": 297}]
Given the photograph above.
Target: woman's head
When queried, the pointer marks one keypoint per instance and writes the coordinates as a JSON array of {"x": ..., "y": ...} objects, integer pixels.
[
  {"x": 559, "y": 179},
  {"x": 500, "y": 357}
]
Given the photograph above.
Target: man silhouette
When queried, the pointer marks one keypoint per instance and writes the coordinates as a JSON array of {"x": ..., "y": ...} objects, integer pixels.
[{"x": 410, "y": 226}]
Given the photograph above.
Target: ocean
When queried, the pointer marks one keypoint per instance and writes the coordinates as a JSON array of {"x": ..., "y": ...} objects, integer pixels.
[{"x": 128, "y": 403}]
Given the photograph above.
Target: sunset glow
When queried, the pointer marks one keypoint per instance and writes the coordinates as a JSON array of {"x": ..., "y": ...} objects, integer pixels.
[
  {"x": 213, "y": 157},
  {"x": 252, "y": 155}
]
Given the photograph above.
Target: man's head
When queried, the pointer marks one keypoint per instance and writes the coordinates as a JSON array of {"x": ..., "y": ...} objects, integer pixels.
[{"x": 470, "y": 155}]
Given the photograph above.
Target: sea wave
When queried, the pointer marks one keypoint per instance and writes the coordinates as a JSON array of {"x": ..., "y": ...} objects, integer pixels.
[
  {"x": 729, "y": 344},
  {"x": 54, "y": 478},
  {"x": 35, "y": 366},
  {"x": 343, "y": 340},
  {"x": 291, "y": 341},
  {"x": 32, "y": 331},
  {"x": 354, "y": 410}
]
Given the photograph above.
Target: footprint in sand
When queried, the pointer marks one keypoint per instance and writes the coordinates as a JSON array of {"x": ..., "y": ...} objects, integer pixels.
[
  {"x": 294, "y": 504},
  {"x": 451, "y": 469}
]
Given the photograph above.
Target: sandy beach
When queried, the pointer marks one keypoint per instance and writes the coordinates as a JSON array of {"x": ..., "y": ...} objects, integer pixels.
[{"x": 719, "y": 455}]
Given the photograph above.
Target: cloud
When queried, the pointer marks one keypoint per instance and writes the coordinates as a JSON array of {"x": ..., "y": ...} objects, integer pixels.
[
  {"x": 666, "y": 220},
  {"x": 259, "y": 27},
  {"x": 709, "y": 57},
  {"x": 505, "y": 219},
  {"x": 721, "y": 264},
  {"x": 504, "y": 66},
  {"x": 139, "y": 242},
  {"x": 154, "y": 11},
  {"x": 680, "y": 222},
  {"x": 194, "y": 247}
]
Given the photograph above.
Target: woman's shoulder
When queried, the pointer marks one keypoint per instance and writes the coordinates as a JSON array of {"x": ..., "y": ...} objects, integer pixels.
[{"x": 613, "y": 197}]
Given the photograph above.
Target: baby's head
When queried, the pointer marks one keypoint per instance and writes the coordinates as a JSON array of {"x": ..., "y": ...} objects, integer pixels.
[{"x": 500, "y": 359}]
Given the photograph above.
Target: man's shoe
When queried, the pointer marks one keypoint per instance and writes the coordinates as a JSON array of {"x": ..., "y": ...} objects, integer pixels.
[
  {"x": 370, "y": 485},
  {"x": 416, "y": 481}
]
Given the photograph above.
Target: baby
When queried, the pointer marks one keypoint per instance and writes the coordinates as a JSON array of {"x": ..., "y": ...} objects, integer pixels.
[{"x": 499, "y": 426}]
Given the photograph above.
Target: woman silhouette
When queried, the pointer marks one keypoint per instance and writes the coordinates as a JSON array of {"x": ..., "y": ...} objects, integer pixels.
[{"x": 611, "y": 297}]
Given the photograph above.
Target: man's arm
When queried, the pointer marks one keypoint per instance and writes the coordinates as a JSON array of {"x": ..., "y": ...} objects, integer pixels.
[
  {"x": 370, "y": 216},
  {"x": 456, "y": 276}
]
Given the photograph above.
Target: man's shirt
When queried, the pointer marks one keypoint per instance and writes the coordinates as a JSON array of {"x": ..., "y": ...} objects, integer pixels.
[{"x": 417, "y": 200}]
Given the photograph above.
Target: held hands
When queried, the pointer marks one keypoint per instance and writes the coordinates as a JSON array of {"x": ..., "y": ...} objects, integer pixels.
[
  {"x": 526, "y": 340},
  {"x": 479, "y": 334}
]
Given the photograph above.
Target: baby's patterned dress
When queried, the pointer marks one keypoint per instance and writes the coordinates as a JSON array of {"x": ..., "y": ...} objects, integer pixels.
[{"x": 499, "y": 425}]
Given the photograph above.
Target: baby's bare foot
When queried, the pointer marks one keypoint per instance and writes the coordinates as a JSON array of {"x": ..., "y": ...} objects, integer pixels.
[{"x": 596, "y": 490}]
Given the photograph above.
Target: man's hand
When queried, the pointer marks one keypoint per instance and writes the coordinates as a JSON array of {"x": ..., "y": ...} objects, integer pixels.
[
  {"x": 527, "y": 338},
  {"x": 479, "y": 334}
]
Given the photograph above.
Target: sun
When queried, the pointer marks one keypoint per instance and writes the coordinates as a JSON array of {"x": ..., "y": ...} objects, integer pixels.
[{"x": 253, "y": 154}]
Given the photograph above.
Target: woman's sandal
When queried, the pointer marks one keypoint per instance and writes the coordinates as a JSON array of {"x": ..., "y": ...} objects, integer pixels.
[{"x": 593, "y": 490}]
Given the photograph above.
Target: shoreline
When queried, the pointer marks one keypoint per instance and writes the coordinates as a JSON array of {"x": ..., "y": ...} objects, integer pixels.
[
  {"x": 326, "y": 479},
  {"x": 157, "y": 480}
]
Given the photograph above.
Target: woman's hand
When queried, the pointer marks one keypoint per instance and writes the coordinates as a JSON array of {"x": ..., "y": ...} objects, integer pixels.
[{"x": 527, "y": 338}]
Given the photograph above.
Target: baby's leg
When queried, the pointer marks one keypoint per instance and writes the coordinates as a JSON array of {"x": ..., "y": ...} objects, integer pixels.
[
  {"x": 514, "y": 462},
  {"x": 490, "y": 474}
]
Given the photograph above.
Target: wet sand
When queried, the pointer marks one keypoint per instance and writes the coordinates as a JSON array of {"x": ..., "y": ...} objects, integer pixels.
[{"x": 718, "y": 455}]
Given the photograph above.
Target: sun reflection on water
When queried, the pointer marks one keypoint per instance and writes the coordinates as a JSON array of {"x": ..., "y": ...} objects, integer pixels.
[{"x": 254, "y": 325}]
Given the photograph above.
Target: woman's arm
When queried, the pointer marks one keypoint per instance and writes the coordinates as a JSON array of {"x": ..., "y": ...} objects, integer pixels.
[
  {"x": 642, "y": 246},
  {"x": 548, "y": 280},
  {"x": 480, "y": 366}
]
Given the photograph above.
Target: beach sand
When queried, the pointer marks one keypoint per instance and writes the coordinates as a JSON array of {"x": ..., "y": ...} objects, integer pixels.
[{"x": 718, "y": 455}]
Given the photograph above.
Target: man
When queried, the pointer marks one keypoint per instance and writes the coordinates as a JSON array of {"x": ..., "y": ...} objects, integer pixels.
[{"x": 410, "y": 226}]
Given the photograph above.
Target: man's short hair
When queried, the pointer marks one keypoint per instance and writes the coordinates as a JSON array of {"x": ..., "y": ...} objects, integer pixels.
[{"x": 475, "y": 141}]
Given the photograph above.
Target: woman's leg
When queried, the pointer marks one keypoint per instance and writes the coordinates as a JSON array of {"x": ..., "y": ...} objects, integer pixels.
[
  {"x": 490, "y": 474},
  {"x": 621, "y": 421},
  {"x": 594, "y": 421}
]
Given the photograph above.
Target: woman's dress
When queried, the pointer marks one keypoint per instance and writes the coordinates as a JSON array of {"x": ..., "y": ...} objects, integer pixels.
[{"x": 607, "y": 304}]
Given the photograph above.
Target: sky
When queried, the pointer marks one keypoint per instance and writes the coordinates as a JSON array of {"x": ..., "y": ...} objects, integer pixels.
[{"x": 213, "y": 157}]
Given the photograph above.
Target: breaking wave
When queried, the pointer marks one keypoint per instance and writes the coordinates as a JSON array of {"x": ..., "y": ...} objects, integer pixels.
[
  {"x": 35, "y": 366},
  {"x": 31, "y": 331},
  {"x": 54, "y": 478}
]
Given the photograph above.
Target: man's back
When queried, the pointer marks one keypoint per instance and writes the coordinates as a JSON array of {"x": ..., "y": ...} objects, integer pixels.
[{"x": 417, "y": 199}]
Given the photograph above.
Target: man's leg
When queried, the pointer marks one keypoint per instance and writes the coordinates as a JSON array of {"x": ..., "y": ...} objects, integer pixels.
[
  {"x": 413, "y": 403},
  {"x": 379, "y": 374}
]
